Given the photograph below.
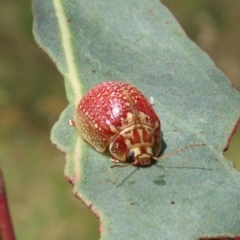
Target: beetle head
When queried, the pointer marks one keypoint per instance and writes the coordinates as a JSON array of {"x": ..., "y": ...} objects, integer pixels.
[{"x": 140, "y": 156}]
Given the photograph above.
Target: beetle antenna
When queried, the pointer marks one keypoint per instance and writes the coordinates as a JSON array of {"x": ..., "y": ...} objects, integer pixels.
[{"x": 179, "y": 150}]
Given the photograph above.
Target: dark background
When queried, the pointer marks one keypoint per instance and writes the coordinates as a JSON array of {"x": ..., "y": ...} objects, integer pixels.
[{"x": 32, "y": 96}]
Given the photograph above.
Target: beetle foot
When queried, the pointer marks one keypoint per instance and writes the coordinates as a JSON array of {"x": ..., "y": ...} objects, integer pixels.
[
  {"x": 71, "y": 122},
  {"x": 114, "y": 160},
  {"x": 151, "y": 101}
]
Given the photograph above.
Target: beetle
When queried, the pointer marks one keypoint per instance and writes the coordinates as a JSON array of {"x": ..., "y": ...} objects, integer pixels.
[{"x": 115, "y": 115}]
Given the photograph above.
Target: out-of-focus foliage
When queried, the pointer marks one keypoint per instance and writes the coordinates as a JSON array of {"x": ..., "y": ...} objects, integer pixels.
[
  {"x": 41, "y": 202},
  {"x": 213, "y": 25}
]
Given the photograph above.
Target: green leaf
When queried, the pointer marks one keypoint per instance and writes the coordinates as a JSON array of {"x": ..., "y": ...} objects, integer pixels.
[{"x": 198, "y": 193}]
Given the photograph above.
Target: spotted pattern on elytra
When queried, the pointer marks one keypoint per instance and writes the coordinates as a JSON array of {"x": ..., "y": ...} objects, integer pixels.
[{"x": 117, "y": 115}]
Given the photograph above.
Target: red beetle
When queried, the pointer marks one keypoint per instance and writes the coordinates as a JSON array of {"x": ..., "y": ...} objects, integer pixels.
[{"x": 117, "y": 116}]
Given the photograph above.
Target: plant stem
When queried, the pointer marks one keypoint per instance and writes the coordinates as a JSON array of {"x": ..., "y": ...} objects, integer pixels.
[{"x": 6, "y": 228}]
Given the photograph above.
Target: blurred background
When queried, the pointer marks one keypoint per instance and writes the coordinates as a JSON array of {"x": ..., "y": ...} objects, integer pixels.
[{"x": 32, "y": 96}]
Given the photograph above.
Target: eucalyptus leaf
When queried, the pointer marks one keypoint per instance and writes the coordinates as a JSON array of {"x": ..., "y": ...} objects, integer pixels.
[{"x": 192, "y": 194}]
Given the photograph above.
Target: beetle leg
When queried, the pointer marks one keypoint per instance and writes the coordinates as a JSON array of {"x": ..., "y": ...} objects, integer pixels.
[
  {"x": 115, "y": 161},
  {"x": 122, "y": 165}
]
